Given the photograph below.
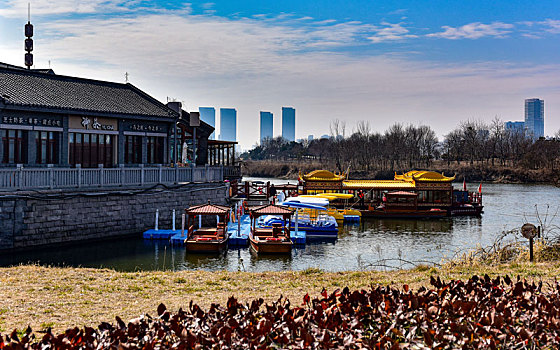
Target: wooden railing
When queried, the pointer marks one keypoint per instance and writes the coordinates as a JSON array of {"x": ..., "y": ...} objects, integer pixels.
[{"x": 22, "y": 178}]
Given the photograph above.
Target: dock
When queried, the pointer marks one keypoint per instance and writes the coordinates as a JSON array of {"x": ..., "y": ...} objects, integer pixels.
[
  {"x": 238, "y": 234},
  {"x": 160, "y": 234}
]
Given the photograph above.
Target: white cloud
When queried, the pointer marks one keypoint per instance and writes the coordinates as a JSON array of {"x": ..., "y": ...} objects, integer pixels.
[
  {"x": 475, "y": 30},
  {"x": 551, "y": 26},
  {"x": 392, "y": 32},
  {"x": 18, "y": 8}
]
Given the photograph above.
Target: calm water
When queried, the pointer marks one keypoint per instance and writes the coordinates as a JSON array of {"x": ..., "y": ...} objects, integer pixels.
[{"x": 372, "y": 244}]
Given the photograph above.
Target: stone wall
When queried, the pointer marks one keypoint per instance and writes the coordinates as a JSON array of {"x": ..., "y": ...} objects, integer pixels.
[{"x": 50, "y": 218}]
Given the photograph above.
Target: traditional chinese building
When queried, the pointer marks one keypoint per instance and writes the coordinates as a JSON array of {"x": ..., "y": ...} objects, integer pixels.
[{"x": 65, "y": 121}]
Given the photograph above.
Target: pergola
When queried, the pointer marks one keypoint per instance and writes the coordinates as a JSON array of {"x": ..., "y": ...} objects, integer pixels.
[{"x": 221, "y": 152}]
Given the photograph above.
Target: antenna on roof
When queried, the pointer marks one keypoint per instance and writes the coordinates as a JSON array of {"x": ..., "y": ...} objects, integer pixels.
[
  {"x": 28, "y": 40},
  {"x": 126, "y": 77}
]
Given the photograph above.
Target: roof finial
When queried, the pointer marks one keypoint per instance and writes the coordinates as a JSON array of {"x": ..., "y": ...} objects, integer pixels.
[
  {"x": 126, "y": 77},
  {"x": 29, "y": 40}
]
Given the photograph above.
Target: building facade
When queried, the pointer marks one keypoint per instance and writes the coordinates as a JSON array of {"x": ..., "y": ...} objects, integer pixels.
[
  {"x": 208, "y": 115},
  {"x": 267, "y": 122},
  {"x": 516, "y": 127},
  {"x": 228, "y": 124},
  {"x": 289, "y": 123},
  {"x": 534, "y": 117},
  {"x": 48, "y": 119}
]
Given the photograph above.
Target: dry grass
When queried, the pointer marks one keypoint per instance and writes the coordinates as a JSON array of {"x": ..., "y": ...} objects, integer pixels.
[{"x": 63, "y": 297}]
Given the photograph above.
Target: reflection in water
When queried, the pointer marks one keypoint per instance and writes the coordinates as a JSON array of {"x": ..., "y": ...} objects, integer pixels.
[
  {"x": 407, "y": 226},
  {"x": 374, "y": 243}
]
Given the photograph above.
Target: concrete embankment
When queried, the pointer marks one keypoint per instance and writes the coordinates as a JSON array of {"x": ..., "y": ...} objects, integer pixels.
[{"x": 39, "y": 218}]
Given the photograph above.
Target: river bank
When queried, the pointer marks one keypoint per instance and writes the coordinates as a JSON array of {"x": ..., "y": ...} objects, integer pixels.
[
  {"x": 471, "y": 173},
  {"x": 44, "y": 297}
]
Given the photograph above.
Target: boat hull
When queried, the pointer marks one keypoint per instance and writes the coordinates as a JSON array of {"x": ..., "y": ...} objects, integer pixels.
[
  {"x": 213, "y": 246},
  {"x": 416, "y": 214},
  {"x": 466, "y": 211},
  {"x": 267, "y": 247}
]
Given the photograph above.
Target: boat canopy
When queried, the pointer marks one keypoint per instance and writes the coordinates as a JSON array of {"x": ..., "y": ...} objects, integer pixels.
[
  {"x": 299, "y": 205},
  {"x": 377, "y": 185},
  {"x": 270, "y": 209},
  {"x": 320, "y": 201},
  {"x": 207, "y": 209}
]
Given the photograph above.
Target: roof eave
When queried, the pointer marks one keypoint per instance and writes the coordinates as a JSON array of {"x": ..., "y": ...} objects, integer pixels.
[{"x": 48, "y": 109}]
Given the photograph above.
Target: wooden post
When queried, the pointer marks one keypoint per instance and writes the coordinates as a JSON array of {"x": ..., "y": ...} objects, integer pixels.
[{"x": 531, "y": 249}]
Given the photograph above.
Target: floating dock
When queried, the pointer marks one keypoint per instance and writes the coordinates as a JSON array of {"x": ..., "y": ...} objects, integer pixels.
[
  {"x": 159, "y": 234},
  {"x": 239, "y": 232},
  {"x": 178, "y": 239},
  {"x": 352, "y": 218}
]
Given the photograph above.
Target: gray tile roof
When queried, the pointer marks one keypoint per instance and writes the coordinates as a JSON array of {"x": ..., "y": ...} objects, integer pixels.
[{"x": 34, "y": 89}]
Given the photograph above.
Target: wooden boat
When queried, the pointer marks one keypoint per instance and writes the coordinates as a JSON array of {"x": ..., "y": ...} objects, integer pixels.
[
  {"x": 404, "y": 205},
  {"x": 274, "y": 240},
  {"x": 207, "y": 239},
  {"x": 466, "y": 203}
]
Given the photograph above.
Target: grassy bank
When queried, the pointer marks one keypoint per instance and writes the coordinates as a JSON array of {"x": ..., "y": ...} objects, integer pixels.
[
  {"x": 472, "y": 173},
  {"x": 63, "y": 297}
]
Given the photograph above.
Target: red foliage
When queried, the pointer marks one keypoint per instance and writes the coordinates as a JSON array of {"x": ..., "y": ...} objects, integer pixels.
[{"x": 478, "y": 313}]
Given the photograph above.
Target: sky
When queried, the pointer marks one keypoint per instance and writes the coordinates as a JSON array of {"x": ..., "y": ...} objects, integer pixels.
[{"x": 429, "y": 62}]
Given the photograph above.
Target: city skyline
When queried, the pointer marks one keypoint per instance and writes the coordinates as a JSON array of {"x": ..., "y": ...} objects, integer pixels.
[
  {"x": 208, "y": 115},
  {"x": 267, "y": 125},
  {"x": 289, "y": 123},
  {"x": 382, "y": 62},
  {"x": 228, "y": 124},
  {"x": 534, "y": 117}
]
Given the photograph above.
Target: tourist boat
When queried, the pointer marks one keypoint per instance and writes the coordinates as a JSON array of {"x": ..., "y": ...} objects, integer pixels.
[
  {"x": 274, "y": 239},
  {"x": 310, "y": 216},
  {"x": 402, "y": 205},
  {"x": 345, "y": 213},
  {"x": 211, "y": 239},
  {"x": 434, "y": 192}
]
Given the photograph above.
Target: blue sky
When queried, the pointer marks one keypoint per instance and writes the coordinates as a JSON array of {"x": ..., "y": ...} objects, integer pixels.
[{"x": 421, "y": 62}]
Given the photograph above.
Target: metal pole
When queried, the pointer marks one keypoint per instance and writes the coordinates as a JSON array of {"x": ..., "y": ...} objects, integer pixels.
[
  {"x": 173, "y": 219},
  {"x": 182, "y": 225},
  {"x": 157, "y": 218},
  {"x": 297, "y": 221}
]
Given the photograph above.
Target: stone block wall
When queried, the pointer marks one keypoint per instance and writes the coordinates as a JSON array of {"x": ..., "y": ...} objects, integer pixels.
[{"x": 46, "y": 218}]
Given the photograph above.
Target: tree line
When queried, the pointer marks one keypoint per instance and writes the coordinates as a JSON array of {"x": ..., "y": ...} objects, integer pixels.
[{"x": 416, "y": 146}]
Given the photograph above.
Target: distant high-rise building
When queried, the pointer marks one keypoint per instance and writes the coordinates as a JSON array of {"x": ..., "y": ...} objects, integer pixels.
[
  {"x": 289, "y": 123},
  {"x": 534, "y": 117},
  {"x": 208, "y": 115},
  {"x": 266, "y": 125},
  {"x": 228, "y": 124},
  {"x": 516, "y": 127}
]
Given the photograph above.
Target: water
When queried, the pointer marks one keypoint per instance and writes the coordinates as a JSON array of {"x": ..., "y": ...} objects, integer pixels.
[{"x": 371, "y": 245}]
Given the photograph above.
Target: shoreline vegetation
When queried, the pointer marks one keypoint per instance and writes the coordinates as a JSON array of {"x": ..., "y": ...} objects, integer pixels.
[
  {"x": 290, "y": 170},
  {"x": 474, "y": 150}
]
